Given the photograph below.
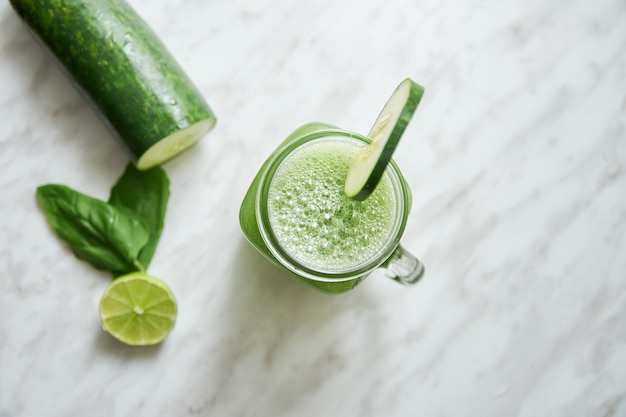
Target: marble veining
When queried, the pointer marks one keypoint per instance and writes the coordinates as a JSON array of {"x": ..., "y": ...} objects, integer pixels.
[{"x": 517, "y": 161}]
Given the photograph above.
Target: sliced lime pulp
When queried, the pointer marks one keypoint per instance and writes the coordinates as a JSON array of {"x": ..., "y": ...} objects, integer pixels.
[
  {"x": 371, "y": 161},
  {"x": 138, "y": 309}
]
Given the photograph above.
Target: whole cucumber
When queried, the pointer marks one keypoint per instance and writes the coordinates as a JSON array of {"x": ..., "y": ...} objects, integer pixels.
[{"x": 145, "y": 98}]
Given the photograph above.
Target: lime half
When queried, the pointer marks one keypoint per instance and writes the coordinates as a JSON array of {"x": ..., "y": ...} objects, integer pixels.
[
  {"x": 370, "y": 163},
  {"x": 138, "y": 309}
]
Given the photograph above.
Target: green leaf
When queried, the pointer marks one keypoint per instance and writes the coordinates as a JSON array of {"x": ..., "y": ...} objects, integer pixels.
[
  {"x": 107, "y": 237},
  {"x": 146, "y": 193}
]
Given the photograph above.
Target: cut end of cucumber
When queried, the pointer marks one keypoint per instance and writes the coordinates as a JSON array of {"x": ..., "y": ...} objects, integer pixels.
[
  {"x": 371, "y": 161},
  {"x": 174, "y": 144}
]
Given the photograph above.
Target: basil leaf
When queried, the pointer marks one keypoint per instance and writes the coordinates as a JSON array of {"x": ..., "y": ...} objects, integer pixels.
[
  {"x": 107, "y": 237},
  {"x": 146, "y": 193}
]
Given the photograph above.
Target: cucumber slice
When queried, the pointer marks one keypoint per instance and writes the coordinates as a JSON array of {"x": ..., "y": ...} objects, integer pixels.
[
  {"x": 125, "y": 72},
  {"x": 371, "y": 161}
]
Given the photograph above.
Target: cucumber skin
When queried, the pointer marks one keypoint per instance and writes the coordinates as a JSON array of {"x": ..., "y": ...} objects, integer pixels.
[
  {"x": 415, "y": 96},
  {"x": 120, "y": 66}
]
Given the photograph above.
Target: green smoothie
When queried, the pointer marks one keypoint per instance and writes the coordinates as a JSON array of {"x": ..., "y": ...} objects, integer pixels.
[
  {"x": 313, "y": 220},
  {"x": 297, "y": 214},
  {"x": 329, "y": 206}
]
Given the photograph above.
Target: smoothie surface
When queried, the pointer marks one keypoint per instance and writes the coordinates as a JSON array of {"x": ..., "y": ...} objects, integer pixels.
[{"x": 312, "y": 218}]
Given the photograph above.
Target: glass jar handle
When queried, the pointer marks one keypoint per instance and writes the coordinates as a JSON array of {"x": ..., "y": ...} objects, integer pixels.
[{"x": 403, "y": 267}]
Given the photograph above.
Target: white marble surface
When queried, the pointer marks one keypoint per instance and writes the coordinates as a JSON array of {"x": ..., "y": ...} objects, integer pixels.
[{"x": 517, "y": 160}]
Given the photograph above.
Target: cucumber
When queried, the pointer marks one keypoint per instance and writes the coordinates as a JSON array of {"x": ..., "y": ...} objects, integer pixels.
[
  {"x": 371, "y": 161},
  {"x": 122, "y": 68}
]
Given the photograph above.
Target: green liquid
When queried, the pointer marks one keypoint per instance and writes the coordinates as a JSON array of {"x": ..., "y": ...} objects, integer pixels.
[{"x": 315, "y": 222}]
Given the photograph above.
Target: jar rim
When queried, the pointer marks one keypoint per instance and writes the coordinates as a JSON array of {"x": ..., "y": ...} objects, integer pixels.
[{"x": 316, "y": 273}]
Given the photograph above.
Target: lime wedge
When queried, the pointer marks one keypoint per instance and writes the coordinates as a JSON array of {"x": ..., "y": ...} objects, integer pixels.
[
  {"x": 371, "y": 161},
  {"x": 138, "y": 309}
]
